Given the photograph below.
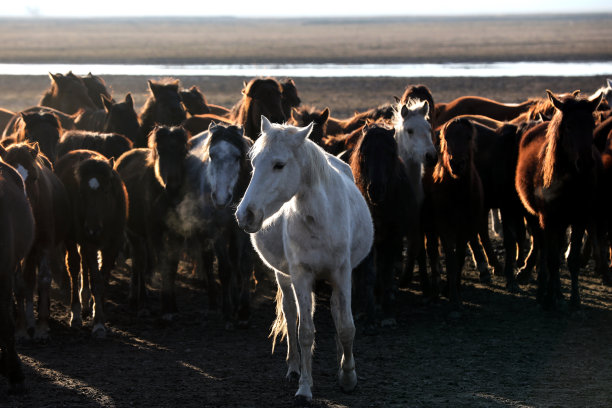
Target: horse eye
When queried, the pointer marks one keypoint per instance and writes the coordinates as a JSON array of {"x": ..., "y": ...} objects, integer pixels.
[
  {"x": 279, "y": 166},
  {"x": 410, "y": 131}
]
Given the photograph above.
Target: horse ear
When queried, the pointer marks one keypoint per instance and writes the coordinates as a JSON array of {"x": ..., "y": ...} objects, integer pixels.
[
  {"x": 397, "y": 100},
  {"x": 553, "y": 99},
  {"x": 424, "y": 109},
  {"x": 303, "y": 133},
  {"x": 52, "y": 77},
  {"x": 211, "y": 125},
  {"x": 295, "y": 115},
  {"x": 576, "y": 92},
  {"x": 2, "y": 151},
  {"x": 111, "y": 162},
  {"x": 153, "y": 87},
  {"x": 595, "y": 102},
  {"x": 36, "y": 148},
  {"x": 107, "y": 103},
  {"x": 265, "y": 124},
  {"x": 324, "y": 115},
  {"x": 129, "y": 100},
  {"x": 404, "y": 111},
  {"x": 609, "y": 82}
]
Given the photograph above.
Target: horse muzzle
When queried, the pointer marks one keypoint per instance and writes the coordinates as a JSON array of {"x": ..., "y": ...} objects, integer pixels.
[{"x": 249, "y": 219}]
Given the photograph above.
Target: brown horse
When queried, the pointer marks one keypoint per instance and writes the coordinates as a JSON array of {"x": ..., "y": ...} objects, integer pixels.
[
  {"x": 114, "y": 117},
  {"x": 96, "y": 89},
  {"x": 194, "y": 101},
  {"x": 557, "y": 180},
  {"x": 154, "y": 178},
  {"x": 15, "y": 123},
  {"x": 16, "y": 235},
  {"x": 475, "y": 105},
  {"x": 345, "y": 126},
  {"x": 41, "y": 128},
  {"x": 162, "y": 107},
  {"x": 99, "y": 203},
  {"x": 454, "y": 203},
  {"x": 5, "y": 117},
  {"x": 67, "y": 93},
  {"x": 50, "y": 207}
]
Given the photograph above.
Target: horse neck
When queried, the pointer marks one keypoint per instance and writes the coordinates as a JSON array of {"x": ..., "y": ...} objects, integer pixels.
[{"x": 315, "y": 172}]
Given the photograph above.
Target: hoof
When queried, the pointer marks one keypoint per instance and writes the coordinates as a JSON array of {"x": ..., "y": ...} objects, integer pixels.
[
  {"x": 347, "y": 380},
  {"x": 143, "y": 313},
  {"x": 21, "y": 335},
  {"x": 485, "y": 278},
  {"x": 523, "y": 277},
  {"x": 512, "y": 287},
  {"x": 42, "y": 334},
  {"x": 574, "y": 303},
  {"x": 303, "y": 395},
  {"x": 455, "y": 314},
  {"x": 17, "y": 389},
  {"x": 301, "y": 401},
  {"x": 229, "y": 326},
  {"x": 98, "y": 331},
  {"x": 169, "y": 317}
]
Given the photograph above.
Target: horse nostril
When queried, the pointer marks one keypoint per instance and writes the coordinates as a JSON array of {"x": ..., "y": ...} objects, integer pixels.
[{"x": 250, "y": 216}]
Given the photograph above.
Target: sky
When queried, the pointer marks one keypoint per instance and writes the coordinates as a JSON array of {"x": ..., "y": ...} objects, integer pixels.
[{"x": 292, "y": 8}]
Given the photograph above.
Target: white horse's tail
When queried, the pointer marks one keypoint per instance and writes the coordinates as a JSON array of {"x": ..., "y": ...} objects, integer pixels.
[{"x": 280, "y": 323}]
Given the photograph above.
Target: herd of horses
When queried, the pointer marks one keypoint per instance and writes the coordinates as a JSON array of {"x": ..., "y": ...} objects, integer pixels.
[{"x": 271, "y": 184}]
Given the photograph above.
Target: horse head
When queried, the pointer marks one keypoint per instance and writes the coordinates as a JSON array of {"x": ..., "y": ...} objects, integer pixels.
[
  {"x": 169, "y": 147},
  {"x": 194, "y": 101},
  {"x": 225, "y": 151},
  {"x": 457, "y": 139},
  {"x": 413, "y": 132},
  {"x": 167, "y": 103},
  {"x": 67, "y": 93},
  {"x": 304, "y": 115},
  {"x": 42, "y": 128},
  {"x": 289, "y": 97},
  {"x": 121, "y": 117},
  {"x": 374, "y": 162},
  {"x": 277, "y": 172},
  {"x": 261, "y": 97},
  {"x": 27, "y": 159}
]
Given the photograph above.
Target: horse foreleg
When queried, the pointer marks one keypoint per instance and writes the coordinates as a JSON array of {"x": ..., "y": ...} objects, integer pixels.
[
  {"x": 168, "y": 267},
  {"x": 225, "y": 276},
  {"x": 245, "y": 259},
  {"x": 345, "y": 328},
  {"x": 302, "y": 281},
  {"x": 450, "y": 255},
  {"x": 85, "y": 289},
  {"x": 574, "y": 261},
  {"x": 365, "y": 280},
  {"x": 492, "y": 259},
  {"x": 287, "y": 310},
  {"x": 433, "y": 253},
  {"x": 480, "y": 259},
  {"x": 29, "y": 278},
  {"x": 138, "y": 295}
]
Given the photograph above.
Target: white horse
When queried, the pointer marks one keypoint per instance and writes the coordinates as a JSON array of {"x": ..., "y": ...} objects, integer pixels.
[
  {"x": 413, "y": 134},
  {"x": 307, "y": 221}
]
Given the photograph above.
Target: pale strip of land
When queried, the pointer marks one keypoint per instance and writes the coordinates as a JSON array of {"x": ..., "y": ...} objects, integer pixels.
[{"x": 226, "y": 40}]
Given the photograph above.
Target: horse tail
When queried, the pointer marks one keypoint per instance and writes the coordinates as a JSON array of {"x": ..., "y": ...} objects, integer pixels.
[{"x": 280, "y": 323}]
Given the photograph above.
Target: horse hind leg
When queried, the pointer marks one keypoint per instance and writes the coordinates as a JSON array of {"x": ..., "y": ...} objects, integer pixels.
[
  {"x": 287, "y": 320},
  {"x": 10, "y": 366},
  {"x": 345, "y": 329},
  {"x": 90, "y": 257},
  {"x": 574, "y": 262}
]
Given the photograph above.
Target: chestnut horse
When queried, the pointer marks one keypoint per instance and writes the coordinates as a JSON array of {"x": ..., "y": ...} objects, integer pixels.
[
  {"x": 557, "y": 180},
  {"x": 455, "y": 203},
  {"x": 51, "y": 210},
  {"x": 41, "y": 128},
  {"x": 98, "y": 201},
  {"x": 304, "y": 115},
  {"x": 16, "y": 235}
]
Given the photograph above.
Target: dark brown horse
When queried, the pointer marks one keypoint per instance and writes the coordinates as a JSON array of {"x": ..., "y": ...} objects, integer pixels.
[
  {"x": 41, "y": 128},
  {"x": 260, "y": 97},
  {"x": 96, "y": 89},
  {"x": 114, "y": 117},
  {"x": 476, "y": 105},
  {"x": 345, "y": 126},
  {"x": 16, "y": 235},
  {"x": 110, "y": 145},
  {"x": 194, "y": 101},
  {"x": 454, "y": 203},
  {"x": 154, "y": 178},
  {"x": 162, "y": 107},
  {"x": 15, "y": 123},
  {"x": 68, "y": 94},
  {"x": 50, "y": 207},
  {"x": 382, "y": 179},
  {"x": 99, "y": 203},
  {"x": 557, "y": 179},
  {"x": 304, "y": 115}
]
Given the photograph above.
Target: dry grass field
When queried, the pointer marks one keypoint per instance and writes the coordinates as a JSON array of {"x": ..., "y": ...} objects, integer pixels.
[{"x": 502, "y": 350}]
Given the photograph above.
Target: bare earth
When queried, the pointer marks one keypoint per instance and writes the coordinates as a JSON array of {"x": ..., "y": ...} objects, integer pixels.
[{"x": 502, "y": 350}]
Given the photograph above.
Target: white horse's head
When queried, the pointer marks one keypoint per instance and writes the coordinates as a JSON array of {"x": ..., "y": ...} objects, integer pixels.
[
  {"x": 413, "y": 132},
  {"x": 277, "y": 173},
  {"x": 606, "y": 91}
]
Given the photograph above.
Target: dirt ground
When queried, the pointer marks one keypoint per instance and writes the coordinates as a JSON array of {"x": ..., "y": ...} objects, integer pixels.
[{"x": 501, "y": 350}]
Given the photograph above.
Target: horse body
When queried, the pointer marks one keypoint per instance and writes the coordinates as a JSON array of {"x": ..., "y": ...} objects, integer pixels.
[
  {"x": 557, "y": 178},
  {"x": 107, "y": 144},
  {"x": 114, "y": 117},
  {"x": 99, "y": 204},
  {"x": 308, "y": 221},
  {"x": 16, "y": 235},
  {"x": 50, "y": 206}
]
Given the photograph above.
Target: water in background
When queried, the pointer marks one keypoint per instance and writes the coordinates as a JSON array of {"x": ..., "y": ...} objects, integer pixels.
[{"x": 493, "y": 69}]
